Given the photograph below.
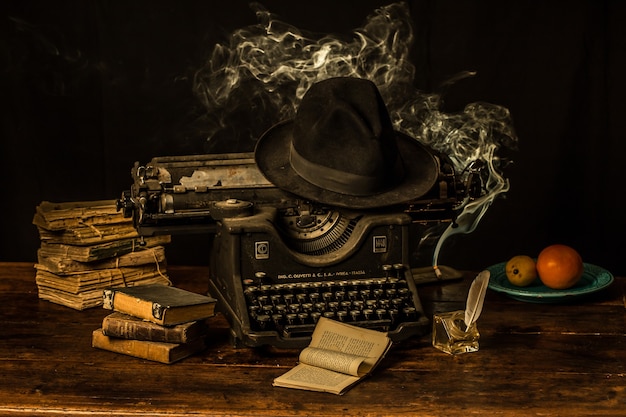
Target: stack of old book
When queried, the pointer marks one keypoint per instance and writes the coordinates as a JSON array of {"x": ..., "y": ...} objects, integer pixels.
[
  {"x": 155, "y": 322},
  {"x": 89, "y": 246}
]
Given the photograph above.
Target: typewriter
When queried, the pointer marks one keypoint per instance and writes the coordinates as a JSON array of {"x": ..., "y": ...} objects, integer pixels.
[
  {"x": 278, "y": 262},
  {"x": 282, "y": 257}
]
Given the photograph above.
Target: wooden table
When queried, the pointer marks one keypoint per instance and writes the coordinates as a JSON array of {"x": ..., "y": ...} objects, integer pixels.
[{"x": 534, "y": 359}]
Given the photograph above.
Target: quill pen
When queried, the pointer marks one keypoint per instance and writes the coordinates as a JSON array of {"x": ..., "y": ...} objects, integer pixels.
[{"x": 476, "y": 297}]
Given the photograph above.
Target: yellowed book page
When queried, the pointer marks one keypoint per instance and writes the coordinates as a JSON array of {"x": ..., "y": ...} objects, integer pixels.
[
  {"x": 339, "y": 337},
  {"x": 334, "y": 361},
  {"x": 315, "y": 379}
]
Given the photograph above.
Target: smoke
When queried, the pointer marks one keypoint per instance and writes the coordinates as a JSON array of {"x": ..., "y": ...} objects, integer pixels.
[{"x": 259, "y": 76}]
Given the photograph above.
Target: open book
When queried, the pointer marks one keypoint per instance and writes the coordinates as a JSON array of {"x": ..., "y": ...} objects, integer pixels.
[{"x": 338, "y": 357}]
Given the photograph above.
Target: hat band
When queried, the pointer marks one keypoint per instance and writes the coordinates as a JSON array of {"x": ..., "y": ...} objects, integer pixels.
[{"x": 338, "y": 181}]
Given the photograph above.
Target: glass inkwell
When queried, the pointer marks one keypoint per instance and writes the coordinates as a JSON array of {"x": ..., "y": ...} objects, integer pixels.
[{"x": 455, "y": 331}]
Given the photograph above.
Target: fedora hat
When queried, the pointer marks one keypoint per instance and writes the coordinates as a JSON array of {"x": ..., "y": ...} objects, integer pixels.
[{"x": 341, "y": 149}]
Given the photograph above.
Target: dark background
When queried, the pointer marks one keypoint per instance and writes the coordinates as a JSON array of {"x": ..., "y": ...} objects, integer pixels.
[{"x": 90, "y": 87}]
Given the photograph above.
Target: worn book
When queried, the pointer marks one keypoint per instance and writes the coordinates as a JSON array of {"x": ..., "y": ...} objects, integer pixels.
[
  {"x": 338, "y": 357},
  {"x": 60, "y": 216},
  {"x": 57, "y": 290},
  {"x": 129, "y": 327},
  {"x": 98, "y": 279},
  {"x": 100, "y": 251},
  {"x": 160, "y": 304},
  {"x": 155, "y": 351},
  {"x": 62, "y": 265},
  {"x": 89, "y": 234}
]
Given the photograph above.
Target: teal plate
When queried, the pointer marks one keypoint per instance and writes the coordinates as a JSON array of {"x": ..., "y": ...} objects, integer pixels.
[{"x": 594, "y": 279}]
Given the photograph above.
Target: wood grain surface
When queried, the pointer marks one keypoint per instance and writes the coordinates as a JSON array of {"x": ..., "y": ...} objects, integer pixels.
[{"x": 534, "y": 359}]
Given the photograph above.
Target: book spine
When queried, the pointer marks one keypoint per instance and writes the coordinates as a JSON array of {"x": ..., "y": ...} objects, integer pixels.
[
  {"x": 142, "y": 330},
  {"x": 155, "y": 351},
  {"x": 123, "y": 303}
]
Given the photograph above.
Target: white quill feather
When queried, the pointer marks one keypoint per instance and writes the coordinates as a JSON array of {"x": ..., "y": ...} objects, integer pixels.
[{"x": 476, "y": 297}]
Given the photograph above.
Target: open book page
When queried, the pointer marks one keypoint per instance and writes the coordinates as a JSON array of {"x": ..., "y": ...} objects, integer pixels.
[
  {"x": 313, "y": 378},
  {"x": 334, "y": 336},
  {"x": 335, "y": 361},
  {"x": 337, "y": 358}
]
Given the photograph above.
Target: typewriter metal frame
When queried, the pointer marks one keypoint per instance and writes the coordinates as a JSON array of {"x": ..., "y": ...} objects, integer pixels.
[{"x": 227, "y": 196}]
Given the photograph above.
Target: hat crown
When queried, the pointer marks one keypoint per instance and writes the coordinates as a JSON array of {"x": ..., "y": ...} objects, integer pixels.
[
  {"x": 343, "y": 139},
  {"x": 341, "y": 150}
]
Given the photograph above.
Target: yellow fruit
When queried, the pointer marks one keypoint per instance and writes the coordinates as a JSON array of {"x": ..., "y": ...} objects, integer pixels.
[
  {"x": 559, "y": 267},
  {"x": 521, "y": 270}
]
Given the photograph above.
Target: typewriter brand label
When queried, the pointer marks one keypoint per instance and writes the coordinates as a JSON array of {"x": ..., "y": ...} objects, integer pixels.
[
  {"x": 327, "y": 274},
  {"x": 262, "y": 250},
  {"x": 380, "y": 244}
]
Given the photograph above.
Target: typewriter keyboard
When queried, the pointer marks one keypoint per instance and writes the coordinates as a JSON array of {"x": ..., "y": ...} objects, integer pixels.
[{"x": 293, "y": 309}]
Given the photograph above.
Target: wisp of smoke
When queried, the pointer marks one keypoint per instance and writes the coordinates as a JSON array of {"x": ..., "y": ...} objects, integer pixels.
[{"x": 259, "y": 76}]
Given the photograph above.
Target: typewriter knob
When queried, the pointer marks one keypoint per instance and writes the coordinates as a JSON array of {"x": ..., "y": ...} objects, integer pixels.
[
  {"x": 231, "y": 208},
  {"x": 125, "y": 204}
]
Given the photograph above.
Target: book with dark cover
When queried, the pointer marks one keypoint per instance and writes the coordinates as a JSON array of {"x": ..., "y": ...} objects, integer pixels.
[
  {"x": 155, "y": 351},
  {"x": 159, "y": 304},
  {"x": 129, "y": 327}
]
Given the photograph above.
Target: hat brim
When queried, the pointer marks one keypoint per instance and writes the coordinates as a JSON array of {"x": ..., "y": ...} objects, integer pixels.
[{"x": 272, "y": 158}]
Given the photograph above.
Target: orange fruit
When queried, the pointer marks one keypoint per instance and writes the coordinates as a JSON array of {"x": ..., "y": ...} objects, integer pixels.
[
  {"x": 521, "y": 270},
  {"x": 559, "y": 266}
]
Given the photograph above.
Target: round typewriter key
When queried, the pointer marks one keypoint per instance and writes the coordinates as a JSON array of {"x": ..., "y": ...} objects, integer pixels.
[
  {"x": 355, "y": 315},
  {"x": 251, "y": 293},
  {"x": 341, "y": 315},
  {"x": 329, "y": 314},
  {"x": 277, "y": 319},
  {"x": 409, "y": 312},
  {"x": 303, "y": 317},
  {"x": 397, "y": 302},
  {"x": 393, "y": 314},
  {"x": 315, "y": 316},
  {"x": 262, "y": 320}
]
